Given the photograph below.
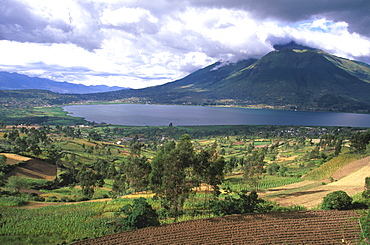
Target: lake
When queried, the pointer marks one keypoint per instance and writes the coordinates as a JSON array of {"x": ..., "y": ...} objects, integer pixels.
[{"x": 178, "y": 115}]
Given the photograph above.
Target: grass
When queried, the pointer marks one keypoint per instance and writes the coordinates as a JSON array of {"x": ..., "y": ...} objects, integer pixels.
[
  {"x": 236, "y": 183},
  {"x": 53, "y": 224},
  {"x": 12, "y": 201},
  {"x": 332, "y": 166}
]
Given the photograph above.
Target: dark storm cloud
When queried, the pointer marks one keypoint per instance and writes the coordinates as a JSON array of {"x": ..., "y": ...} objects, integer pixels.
[{"x": 355, "y": 12}]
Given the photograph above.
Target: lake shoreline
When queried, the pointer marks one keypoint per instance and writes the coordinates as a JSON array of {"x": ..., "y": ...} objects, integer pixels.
[{"x": 190, "y": 115}]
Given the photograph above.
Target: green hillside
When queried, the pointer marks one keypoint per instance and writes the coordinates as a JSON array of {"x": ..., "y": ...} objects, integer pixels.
[
  {"x": 288, "y": 78},
  {"x": 291, "y": 77}
]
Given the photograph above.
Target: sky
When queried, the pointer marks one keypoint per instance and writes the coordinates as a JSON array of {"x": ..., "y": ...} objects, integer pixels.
[{"x": 145, "y": 43}]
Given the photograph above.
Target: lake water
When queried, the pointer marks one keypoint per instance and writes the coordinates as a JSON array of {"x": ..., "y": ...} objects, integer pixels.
[{"x": 163, "y": 115}]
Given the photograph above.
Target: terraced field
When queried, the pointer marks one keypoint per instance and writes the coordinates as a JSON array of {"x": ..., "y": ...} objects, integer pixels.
[
  {"x": 350, "y": 179},
  {"x": 308, "y": 227},
  {"x": 32, "y": 168}
]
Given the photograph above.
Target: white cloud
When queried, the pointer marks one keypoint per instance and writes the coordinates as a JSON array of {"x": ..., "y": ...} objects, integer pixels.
[
  {"x": 138, "y": 44},
  {"x": 332, "y": 37}
]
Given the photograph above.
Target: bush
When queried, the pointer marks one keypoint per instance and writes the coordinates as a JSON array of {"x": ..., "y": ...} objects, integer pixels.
[
  {"x": 365, "y": 225},
  {"x": 337, "y": 200},
  {"x": 230, "y": 205},
  {"x": 138, "y": 215},
  {"x": 12, "y": 201}
]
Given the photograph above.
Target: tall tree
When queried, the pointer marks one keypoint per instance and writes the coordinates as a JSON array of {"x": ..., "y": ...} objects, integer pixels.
[
  {"x": 88, "y": 180},
  {"x": 136, "y": 169},
  {"x": 210, "y": 167},
  {"x": 360, "y": 140},
  {"x": 253, "y": 168},
  {"x": 172, "y": 175}
]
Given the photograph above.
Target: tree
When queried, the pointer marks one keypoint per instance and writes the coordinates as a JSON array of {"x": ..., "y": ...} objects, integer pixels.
[
  {"x": 366, "y": 192},
  {"x": 172, "y": 175},
  {"x": 137, "y": 168},
  {"x": 119, "y": 184},
  {"x": 2, "y": 176},
  {"x": 338, "y": 147},
  {"x": 16, "y": 183},
  {"x": 337, "y": 200},
  {"x": 253, "y": 168},
  {"x": 210, "y": 167},
  {"x": 231, "y": 205},
  {"x": 360, "y": 140},
  {"x": 138, "y": 215},
  {"x": 2, "y": 163},
  {"x": 88, "y": 180}
]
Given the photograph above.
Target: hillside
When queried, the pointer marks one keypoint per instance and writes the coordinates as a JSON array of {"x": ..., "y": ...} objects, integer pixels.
[
  {"x": 291, "y": 77},
  {"x": 30, "y": 168},
  {"x": 310, "y": 227},
  {"x": 15, "y": 81},
  {"x": 350, "y": 179}
]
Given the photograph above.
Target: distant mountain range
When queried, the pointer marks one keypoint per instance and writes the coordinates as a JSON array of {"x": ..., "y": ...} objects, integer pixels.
[
  {"x": 291, "y": 77},
  {"x": 15, "y": 81}
]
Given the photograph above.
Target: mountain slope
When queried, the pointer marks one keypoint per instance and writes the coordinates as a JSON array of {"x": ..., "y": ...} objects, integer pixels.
[
  {"x": 294, "y": 76},
  {"x": 291, "y": 77},
  {"x": 304, "y": 79},
  {"x": 15, "y": 81}
]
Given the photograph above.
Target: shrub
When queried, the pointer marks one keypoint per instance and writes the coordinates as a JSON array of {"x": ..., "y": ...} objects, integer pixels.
[
  {"x": 365, "y": 225},
  {"x": 337, "y": 200},
  {"x": 230, "y": 205},
  {"x": 12, "y": 201},
  {"x": 138, "y": 215}
]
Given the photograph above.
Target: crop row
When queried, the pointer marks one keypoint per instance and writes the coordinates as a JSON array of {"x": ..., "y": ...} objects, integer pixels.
[
  {"x": 310, "y": 227},
  {"x": 58, "y": 221}
]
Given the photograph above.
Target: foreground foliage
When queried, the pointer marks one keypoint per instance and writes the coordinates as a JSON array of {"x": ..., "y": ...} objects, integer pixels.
[
  {"x": 186, "y": 175},
  {"x": 54, "y": 224},
  {"x": 337, "y": 200}
]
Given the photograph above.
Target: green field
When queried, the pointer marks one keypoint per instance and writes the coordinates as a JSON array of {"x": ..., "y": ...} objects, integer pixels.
[{"x": 112, "y": 153}]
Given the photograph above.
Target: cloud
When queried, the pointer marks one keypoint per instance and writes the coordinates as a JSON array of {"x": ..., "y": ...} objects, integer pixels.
[
  {"x": 354, "y": 12},
  {"x": 143, "y": 43},
  {"x": 49, "y": 22}
]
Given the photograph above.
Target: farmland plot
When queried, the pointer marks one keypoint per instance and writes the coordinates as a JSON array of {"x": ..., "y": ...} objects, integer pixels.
[
  {"x": 352, "y": 181},
  {"x": 308, "y": 227}
]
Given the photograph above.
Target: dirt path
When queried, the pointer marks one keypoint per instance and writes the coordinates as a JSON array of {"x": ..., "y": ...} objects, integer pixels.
[{"x": 352, "y": 180}]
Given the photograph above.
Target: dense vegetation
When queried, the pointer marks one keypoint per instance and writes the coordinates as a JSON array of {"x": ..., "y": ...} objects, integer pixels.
[{"x": 184, "y": 172}]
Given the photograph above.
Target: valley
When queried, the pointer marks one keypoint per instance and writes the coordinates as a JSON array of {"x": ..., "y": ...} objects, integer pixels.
[
  {"x": 286, "y": 183},
  {"x": 67, "y": 179}
]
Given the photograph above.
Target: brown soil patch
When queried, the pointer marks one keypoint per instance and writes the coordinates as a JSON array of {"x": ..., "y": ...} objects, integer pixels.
[
  {"x": 283, "y": 159},
  {"x": 310, "y": 227},
  {"x": 35, "y": 168},
  {"x": 12, "y": 159},
  {"x": 352, "y": 180}
]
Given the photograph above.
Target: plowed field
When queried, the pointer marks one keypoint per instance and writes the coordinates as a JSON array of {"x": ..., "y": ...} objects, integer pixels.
[
  {"x": 350, "y": 179},
  {"x": 308, "y": 227},
  {"x": 31, "y": 168}
]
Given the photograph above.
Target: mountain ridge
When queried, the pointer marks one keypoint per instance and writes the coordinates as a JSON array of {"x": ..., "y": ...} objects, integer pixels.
[
  {"x": 290, "y": 77},
  {"x": 16, "y": 81},
  {"x": 298, "y": 78}
]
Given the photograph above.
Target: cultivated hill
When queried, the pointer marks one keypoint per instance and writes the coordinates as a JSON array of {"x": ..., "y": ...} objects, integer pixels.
[
  {"x": 30, "y": 167},
  {"x": 308, "y": 227}
]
